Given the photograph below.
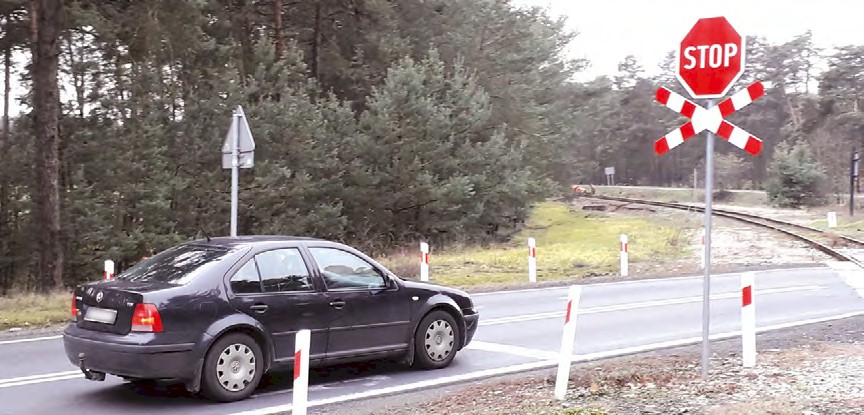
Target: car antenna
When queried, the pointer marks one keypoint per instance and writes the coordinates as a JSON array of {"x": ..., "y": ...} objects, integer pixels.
[{"x": 201, "y": 232}]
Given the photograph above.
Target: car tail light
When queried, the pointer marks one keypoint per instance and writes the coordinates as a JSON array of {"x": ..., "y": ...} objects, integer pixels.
[
  {"x": 146, "y": 318},
  {"x": 74, "y": 310}
]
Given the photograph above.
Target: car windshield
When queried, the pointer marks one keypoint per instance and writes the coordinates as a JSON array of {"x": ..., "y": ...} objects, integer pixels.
[{"x": 177, "y": 265}]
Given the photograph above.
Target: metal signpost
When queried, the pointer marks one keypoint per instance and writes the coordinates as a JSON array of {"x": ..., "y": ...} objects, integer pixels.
[
  {"x": 853, "y": 175},
  {"x": 710, "y": 59},
  {"x": 238, "y": 152},
  {"x": 610, "y": 176}
]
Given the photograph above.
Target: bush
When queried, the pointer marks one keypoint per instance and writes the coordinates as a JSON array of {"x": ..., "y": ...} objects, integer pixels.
[
  {"x": 795, "y": 179},
  {"x": 722, "y": 195}
]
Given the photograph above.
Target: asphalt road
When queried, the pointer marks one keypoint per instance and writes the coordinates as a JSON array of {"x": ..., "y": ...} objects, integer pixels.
[{"x": 519, "y": 330}]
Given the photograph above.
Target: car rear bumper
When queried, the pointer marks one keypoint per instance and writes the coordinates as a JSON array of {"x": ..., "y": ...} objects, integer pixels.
[
  {"x": 471, "y": 321},
  {"x": 108, "y": 355}
]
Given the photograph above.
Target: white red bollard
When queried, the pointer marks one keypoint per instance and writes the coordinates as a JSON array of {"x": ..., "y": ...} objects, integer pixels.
[
  {"x": 532, "y": 260},
  {"x": 832, "y": 219},
  {"x": 568, "y": 340},
  {"x": 702, "y": 259},
  {"x": 109, "y": 269},
  {"x": 748, "y": 320},
  {"x": 424, "y": 261},
  {"x": 301, "y": 372},
  {"x": 625, "y": 265}
]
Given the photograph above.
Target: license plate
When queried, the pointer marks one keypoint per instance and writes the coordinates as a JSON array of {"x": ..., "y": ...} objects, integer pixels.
[{"x": 100, "y": 315}]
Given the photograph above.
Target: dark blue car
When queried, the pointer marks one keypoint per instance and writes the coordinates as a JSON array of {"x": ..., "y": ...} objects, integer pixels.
[{"x": 218, "y": 313}]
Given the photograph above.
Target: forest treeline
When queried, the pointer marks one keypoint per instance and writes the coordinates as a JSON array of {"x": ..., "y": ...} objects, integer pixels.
[{"x": 377, "y": 122}]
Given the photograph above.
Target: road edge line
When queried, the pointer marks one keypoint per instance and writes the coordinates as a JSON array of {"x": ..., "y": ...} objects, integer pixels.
[{"x": 487, "y": 373}]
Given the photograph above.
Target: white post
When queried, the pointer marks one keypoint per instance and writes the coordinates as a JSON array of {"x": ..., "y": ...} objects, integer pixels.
[
  {"x": 424, "y": 261},
  {"x": 625, "y": 271},
  {"x": 748, "y": 320},
  {"x": 301, "y": 372},
  {"x": 568, "y": 340},
  {"x": 702, "y": 243},
  {"x": 832, "y": 219},
  {"x": 532, "y": 260},
  {"x": 109, "y": 269}
]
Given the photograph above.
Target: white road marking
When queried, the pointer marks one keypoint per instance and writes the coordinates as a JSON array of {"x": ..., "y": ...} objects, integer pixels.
[
  {"x": 47, "y": 377},
  {"x": 30, "y": 339},
  {"x": 513, "y": 350},
  {"x": 851, "y": 274},
  {"x": 73, "y": 374},
  {"x": 563, "y": 288},
  {"x": 650, "y": 280},
  {"x": 529, "y": 366},
  {"x": 645, "y": 304}
]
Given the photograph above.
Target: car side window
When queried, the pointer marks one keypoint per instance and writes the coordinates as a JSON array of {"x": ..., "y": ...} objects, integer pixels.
[
  {"x": 246, "y": 280},
  {"x": 283, "y": 270},
  {"x": 344, "y": 270}
]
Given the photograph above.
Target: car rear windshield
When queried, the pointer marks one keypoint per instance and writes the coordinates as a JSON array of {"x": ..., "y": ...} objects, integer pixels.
[{"x": 177, "y": 265}]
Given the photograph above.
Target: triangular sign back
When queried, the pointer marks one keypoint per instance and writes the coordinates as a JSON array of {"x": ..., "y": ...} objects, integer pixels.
[{"x": 246, "y": 142}]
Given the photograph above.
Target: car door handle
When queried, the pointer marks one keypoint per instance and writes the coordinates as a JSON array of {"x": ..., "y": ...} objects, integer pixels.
[
  {"x": 338, "y": 304},
  {"x": 259, "y": 308}
]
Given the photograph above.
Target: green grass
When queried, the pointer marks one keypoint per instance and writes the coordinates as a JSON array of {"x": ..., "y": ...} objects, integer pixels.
[
  {"x": 851, "y": 229},
  {"x": 34, "y": 310},
  {"x": 570, "y": 244}
]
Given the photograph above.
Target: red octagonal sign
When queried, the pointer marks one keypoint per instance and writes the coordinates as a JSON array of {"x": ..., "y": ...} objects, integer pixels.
[{"x": 710, "y": 58}]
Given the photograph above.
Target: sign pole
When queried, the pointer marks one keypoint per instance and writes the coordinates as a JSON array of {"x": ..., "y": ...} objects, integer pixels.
[
  {"x": 711, "y": 58},
  {"x": 853, "y": 173},
  {"x": 706, "y": 283},
  {"x": 235, "y": 171}
]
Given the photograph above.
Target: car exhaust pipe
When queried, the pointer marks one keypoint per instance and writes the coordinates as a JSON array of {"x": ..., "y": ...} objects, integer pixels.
[{"x": 89, "y": 374}]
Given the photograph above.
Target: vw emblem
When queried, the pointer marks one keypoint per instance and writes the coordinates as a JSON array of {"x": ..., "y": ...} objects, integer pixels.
[{"x": 99, "y": 297}]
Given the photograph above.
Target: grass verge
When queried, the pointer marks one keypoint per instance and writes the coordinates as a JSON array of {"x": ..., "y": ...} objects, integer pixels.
[
  {"x": 570, "y": 244},
  {"x": 34, "y": 310}
]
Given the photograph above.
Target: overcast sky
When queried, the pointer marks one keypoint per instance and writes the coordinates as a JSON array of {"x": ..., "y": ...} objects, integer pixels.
[{"x": 612, "y": 29}]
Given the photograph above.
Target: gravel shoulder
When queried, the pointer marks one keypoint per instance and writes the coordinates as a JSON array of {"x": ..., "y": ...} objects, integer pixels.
[{"x": 812, "y": 369}]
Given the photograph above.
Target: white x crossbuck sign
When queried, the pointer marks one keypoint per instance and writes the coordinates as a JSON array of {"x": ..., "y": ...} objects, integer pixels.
[{"x": 711, "y": 119}]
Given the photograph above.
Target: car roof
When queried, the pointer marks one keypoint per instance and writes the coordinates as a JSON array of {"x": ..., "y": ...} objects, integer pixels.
[{"x": 247, "y": 240}]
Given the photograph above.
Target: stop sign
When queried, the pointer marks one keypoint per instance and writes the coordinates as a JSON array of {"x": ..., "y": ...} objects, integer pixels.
[{"x": 710, "y": 58}]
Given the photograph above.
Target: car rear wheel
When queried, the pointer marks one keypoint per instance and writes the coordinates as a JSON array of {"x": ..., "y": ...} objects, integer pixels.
[
  {"x": 436, "y": 340},
  {"x": 232, "y": 368}
]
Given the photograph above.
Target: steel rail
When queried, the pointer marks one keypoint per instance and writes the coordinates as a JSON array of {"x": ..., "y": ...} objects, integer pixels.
[{"x": 774, "y": 224}]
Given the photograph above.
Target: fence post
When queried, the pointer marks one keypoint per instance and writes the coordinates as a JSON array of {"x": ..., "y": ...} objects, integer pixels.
[
  {"x": 532, "y": 260},
  {"x": 568, "y": 340},
  {"x": 109, "y": 269},
  {"x": 625, "y": 266},
  {"x": 301, "y": 372},
  {"x": 832, "y": 219},
  {"x": 424, "y": 261},
  {"x": 748, "y": 320}
]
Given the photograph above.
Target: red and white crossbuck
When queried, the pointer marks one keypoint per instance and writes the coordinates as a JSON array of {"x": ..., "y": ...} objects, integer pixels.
[{"x": 711, "y": 119}]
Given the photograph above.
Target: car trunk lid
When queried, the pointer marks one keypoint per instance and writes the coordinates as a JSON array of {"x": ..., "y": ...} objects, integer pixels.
[{"x": 108, "y": 306}]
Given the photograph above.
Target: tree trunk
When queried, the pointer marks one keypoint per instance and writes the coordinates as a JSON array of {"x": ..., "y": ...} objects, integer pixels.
[
  {"x": 316, "y": 41},
  {"x": 7, "y": 91},
  {"x": 4, "y": 139},
  {"x": 277, "y": 15},
  {"x": 45, "y": 26}
]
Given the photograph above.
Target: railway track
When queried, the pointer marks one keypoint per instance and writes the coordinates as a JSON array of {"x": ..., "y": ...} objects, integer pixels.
[{"x": 809, "y": 235}]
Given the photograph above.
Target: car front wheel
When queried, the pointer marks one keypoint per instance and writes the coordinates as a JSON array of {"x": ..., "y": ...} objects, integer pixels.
[
  {"x": 232, "y": 368},
  {"x": 436, "y": 340}
]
